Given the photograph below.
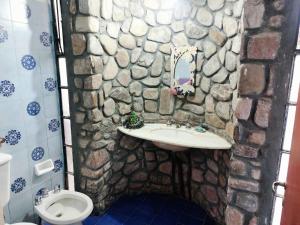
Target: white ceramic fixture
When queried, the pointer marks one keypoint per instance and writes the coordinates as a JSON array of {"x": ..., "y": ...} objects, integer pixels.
[
  {"x": 43, "y": 167},
  {"x": 5, "y": 182},
  {"x": 65, "y": 208},
  {"x": 177, "y": 139}
]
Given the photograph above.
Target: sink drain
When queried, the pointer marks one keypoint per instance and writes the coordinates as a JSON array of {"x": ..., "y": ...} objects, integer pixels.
[{"x": 58, "y": 215}]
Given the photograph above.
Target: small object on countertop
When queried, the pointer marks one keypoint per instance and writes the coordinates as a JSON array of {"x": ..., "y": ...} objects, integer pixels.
[
  {"x": 205, "y": 126},
  {"x": 188, "y": 125},
  {"x": 133, "y": 121},
  {"x": 57, "y": 189},
  {"x": 200, "y": 129}
]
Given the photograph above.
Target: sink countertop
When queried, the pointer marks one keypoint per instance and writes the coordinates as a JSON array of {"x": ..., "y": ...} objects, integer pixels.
[{"x": 184, "y": 137}]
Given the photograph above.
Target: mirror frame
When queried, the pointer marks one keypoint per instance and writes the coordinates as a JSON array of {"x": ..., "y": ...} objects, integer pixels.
[{"x": 189, "y": 87}]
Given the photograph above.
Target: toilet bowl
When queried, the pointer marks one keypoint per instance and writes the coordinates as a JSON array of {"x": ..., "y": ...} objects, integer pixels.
[
  {"x": 64, "y": 208},
  {"x": 21, "y": 224}
]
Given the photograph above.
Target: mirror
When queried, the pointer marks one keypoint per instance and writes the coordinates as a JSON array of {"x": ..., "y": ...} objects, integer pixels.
[{"x": 183, "y": 67}]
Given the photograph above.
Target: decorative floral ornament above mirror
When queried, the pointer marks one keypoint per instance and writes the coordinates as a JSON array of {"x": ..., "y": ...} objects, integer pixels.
[{"x": 183, "y": 67}]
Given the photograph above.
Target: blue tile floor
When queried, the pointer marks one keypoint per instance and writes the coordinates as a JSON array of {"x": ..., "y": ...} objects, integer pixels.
[{"x": 152, "y": 209}]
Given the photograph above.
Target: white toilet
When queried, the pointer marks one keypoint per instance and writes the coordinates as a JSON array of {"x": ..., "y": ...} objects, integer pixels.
[
  {"x": 65, "y": 208},
  {"x": 60, "y": 207},
  {"x": 5, "y": 182}
]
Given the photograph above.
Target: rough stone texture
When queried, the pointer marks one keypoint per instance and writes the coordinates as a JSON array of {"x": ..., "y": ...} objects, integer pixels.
[
  {"x": 88, "y": 65},
  {"x": 93, "y": 82},
  {"x": 243, "y": 108},
  {"x": 106, "y": 9},
  {"x": 166, "y": 102},
  {"x": 160, "y": 34},
  {"x": 138, "y": 27},
  {"x": 205, "y": 17},
  {"x": 252, "y": 80},
  {"x": 127, "y": 41},
  {"x": 217, "y": 36},
  {"x": 230, "y": 26},
  {"x": 78, "y": 43},
  {"x": 264, "y": 45},
  {"x": 109, "y": 44},
  {"x": 94, "y": 45},
  {"x": 136, "y": 88},
  {"x": 90, "y": 99},
  {"x": 121, "y": 94},
  {"x": 86, "y": 24},
  {"x": 234, "y": 216},
  {"x": 254, "y": 12},
  {"x": 138, "y": 72},
  {"x": 90, "y": 7},
  {"x": 134, "y": 41},
  {"x": 221, "y": 92},
  {"x": 212, "y": 66},
  {"x": 111, "y": 69},
  {"x": 109, "y": 107},
  {"x": 193, "y": 31},
  {"x": 214, "y": 120},
  {"x": 122, "y": 58},
  {"x": 215, "y": 4},
  {"x": 262, "y": 113}
]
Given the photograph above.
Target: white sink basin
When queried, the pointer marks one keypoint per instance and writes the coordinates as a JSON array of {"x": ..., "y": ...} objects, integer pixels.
[{"x": 177, "y": 139}]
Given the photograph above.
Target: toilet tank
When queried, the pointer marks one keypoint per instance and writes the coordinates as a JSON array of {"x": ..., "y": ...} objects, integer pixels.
[{"x": 4, "y": 178}]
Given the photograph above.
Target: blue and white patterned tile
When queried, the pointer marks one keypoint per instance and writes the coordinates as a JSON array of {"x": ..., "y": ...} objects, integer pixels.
[
  {"x": 21, "y": 180},
  {"x": 7, "y": 88},
  {"x": 7, "y": 215},
  {"x": 5, "y": 10},
  {"x": 35, "y": 129},
  {"x": 33, "y": 110},
  {"x": 27, "y": 62},
  {"x": 21, "y": 11},
  {"x": 46, "y": 39},
  {"x": 51, "y": 104},
  {"x": 37, "y": 189},
  {"x": 15, "y": 139},
  {"x": 53, "y": 126},
  {"x": 58, "y": 165},
  {"x": 6, "y": 35},
  {"x": 48, "y": 64},
  {"x": 58, "y": 178},
  {"x": 21, "y": 207},
  {"x": 55, "y": 146},
  {"x": 8, "y": 63},
  {"x": 32, "y": 85},
  {"x": 32, "y": 37},
  {"x": 11, "y": 88},
  {"x": 11, "y": 115},
  {"x": 37, "y": 150},
  {"x": 50, "y": 85},
  {"x": 25, "y": 36}
]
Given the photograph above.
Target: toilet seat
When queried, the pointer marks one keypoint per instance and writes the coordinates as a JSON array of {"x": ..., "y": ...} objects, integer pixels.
[{"x": 21, "y": 224}]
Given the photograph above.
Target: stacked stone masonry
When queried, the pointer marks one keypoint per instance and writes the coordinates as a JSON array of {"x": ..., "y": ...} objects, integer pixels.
[
  {"x": 121, "y": 61},
  {"x": 261, "y": 41}
]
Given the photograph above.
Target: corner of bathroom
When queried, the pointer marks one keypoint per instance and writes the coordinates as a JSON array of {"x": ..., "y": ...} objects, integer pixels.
[{"x": 139, "y": 112}]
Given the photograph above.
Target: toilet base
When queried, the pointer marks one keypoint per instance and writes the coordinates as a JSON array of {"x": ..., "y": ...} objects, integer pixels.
[{"x": 45, "y": 223}]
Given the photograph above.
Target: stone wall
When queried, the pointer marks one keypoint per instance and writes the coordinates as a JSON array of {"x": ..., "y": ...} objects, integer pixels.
[
  {"x": 119, "y": 58},
  {"x": 266, "y": 55}
]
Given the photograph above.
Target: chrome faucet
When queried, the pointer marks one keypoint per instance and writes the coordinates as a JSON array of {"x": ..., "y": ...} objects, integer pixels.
[
  {"x": 171, "y": 122},
  {"x": 178, "y": 125},
  {"x": 37, "y": 200},
  {"x": 57, "y": 189},
  {"x": 45, "y": 192}
]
